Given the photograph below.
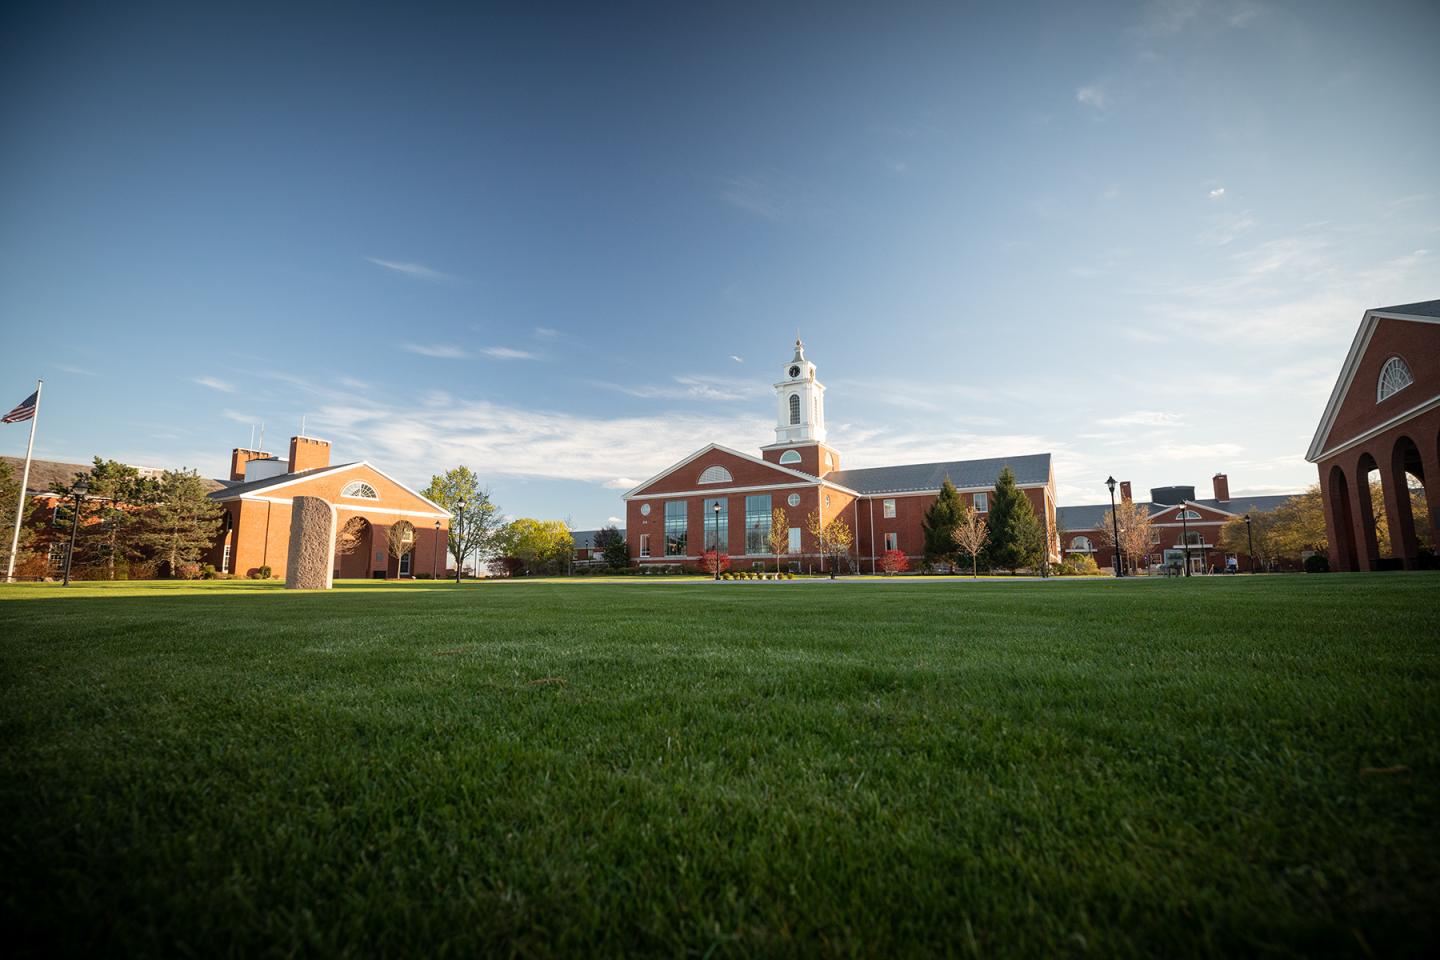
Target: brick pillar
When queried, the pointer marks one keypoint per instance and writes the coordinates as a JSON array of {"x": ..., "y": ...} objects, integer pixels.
[
  {"x": 1362, "y": 514},
  {"x": 1430, "y": 464},
  {"x": 1337, "y": 531},
  {"x": 1398, "y": 514}
]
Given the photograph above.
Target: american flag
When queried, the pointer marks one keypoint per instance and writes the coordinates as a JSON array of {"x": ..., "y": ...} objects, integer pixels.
[{"x": 25, "y": 410}]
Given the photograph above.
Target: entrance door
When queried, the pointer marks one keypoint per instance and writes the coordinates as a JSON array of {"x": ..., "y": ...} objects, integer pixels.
[{"x": 405, "y": 564}]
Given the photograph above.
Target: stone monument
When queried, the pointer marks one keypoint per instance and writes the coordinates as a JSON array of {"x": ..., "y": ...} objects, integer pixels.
[{"x": 311, "y": 563}]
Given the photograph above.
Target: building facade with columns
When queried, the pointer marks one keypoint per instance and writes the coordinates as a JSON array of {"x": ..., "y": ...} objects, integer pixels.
[
  {"x": 255, "y": 530},
  {"x": 1382, "y": 425},
  {"x": 671, "y": 517}
]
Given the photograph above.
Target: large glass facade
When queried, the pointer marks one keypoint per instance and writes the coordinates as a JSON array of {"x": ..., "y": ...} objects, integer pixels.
[
  {"x": 717, "y": 532},
  {"x": 675, "y": 528},
  {"x": 757, "y": 524}
]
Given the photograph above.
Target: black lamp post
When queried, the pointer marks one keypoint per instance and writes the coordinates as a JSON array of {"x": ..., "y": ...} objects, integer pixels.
[
  {"x": 1185, "y": 534},
  {"x": 1250, "y": 542},
  {"x": 459, "y": 539},
  {"x": 1115, "y": 524},
  {"x": 82, "y": 487},
  {"x": 717, "y": 540},
  {"x": 435, "y": 558}
]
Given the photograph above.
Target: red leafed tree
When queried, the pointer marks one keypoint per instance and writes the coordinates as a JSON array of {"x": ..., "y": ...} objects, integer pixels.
[
  {"x": 711, "y": 558},
  {"x": 894, "y": 561}
]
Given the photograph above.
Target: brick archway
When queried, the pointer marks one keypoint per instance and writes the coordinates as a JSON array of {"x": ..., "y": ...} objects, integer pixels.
[
  {"x": 1342, "y": 521},
  {"x": 354, "y": 563},
  {"x": 1363, "y": 506},
  {"x": 1404, "y": 462}
]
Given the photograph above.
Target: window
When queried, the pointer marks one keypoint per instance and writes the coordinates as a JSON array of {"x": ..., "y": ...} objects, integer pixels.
[
  {"x": 1081, "y": 545},
  {"x": 717, "y": 531},
  {"x": 982, "y": 503},
  {"x": 225, "y": 559},
  {"x": 1193, "y": 538},
  {"x": 675, "y": 528},
  {"x": 892, "y": 541},
  {"x": 715, "y": 474},
  {"x": 794, "y": 545},
  {"x": 404, "y": 569},
  {"x": 645, "y": 543},
  {"x": 794, "y": 408},
  {"x": 644, "y": 509},
  {"x": 789, "y": 456},
  {"x": 1187, "y": 515},
  {"x": 887, "y": 507},
  {"x": 829, "y": 460},
  {"x": 757, "y": 524},
  {"x": 793, "y": 499},
  {"x": 1394, "y": 377},
  {"x": 57, "y": 554},
  {"x": 1154, "y": 536},
  {"x": 359, "y": 490}
]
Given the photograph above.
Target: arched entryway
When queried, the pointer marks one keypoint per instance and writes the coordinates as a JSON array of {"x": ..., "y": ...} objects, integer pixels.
[
  {"x": 352, "y": 549},
  {"x": 1404, "y": 499},
  {"x": 1344, "y": 520},
  {"x": 1370, "y": 511}
]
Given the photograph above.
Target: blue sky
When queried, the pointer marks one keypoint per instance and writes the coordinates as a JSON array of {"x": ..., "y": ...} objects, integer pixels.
[{"x": 567, "y": 245}]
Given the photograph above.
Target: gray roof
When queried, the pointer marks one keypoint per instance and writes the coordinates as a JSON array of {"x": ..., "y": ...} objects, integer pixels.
[
  {"x": 1088, "y": 516},
  {"x": 1425, "y": 308},
  {"x": 239, "y": 489},
  {"x": 585, "y": 539},
  {"x": 1031, "y": 468}
]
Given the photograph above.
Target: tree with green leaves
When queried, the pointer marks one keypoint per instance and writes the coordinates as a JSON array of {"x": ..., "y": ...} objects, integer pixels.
[
  {"x": 539, "y": 545},
  {"x": 611, "y": 546},
  {"x": 180, "y": 522},
  {"x": 111, "y": 514},
  {"x": 9, "y": 500},
  {"x": 1017, "y": 538},
  {"x": 939, "y": 523},
  {"x": 473, "y": 528}
]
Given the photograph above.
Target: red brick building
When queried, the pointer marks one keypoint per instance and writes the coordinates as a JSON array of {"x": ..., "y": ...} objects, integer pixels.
[
  {"x": 670, "y": 518},
  {"x": 258, "y": 495},
  {"x": 1177, "y": 516},
  {"x": 1382, "y": 425}
]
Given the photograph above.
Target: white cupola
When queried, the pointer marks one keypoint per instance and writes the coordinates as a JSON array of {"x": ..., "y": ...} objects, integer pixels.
[{"x": 800, "y": 402}]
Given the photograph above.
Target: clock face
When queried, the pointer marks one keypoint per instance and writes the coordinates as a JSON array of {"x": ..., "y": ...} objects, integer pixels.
[{"x": 795, "y": 371}]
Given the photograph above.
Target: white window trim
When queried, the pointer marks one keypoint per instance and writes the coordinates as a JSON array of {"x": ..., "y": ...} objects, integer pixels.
[
  {"x": 791, "y": 456},
  {"x": 982, "y": 501},
  {"x": 1403, "y": 368},
  {"x": 887, "y": 507},
  {"x": 715, "y": 474}
]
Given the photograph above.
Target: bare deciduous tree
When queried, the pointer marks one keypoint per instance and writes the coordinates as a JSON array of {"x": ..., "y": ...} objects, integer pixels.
[
  {"x": 779, "y": 537},
  {"x": 401, "y": 539},
  {"x": 1134, "y": 523},
  {"x": 347, "y": 541},
  {"x": 834, "y": 538},
  {"x": 970, "y": 536}
]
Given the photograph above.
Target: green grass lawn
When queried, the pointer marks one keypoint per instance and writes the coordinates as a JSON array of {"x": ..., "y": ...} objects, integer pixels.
[{"x": 1171, "y": 768}]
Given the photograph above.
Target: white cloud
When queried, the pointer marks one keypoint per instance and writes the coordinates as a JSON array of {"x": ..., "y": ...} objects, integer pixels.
[
  {"x": 440, "y": 351},
  {"x": 416, "y": 270},
  {"x": 1093, "y": 96},
  {"x": 1217, "y": 193},
  {"x": 79, "y": 371},
  {"x": 546, "y": 333},
  {"x": 215, "y": 383},
  {"x": 692, "y": 387},
  {"x": 737, "y": 359},
  {"x": 621, "y": 483},
  {"x": 508, "y": 353},
  {"x": 239, "y": 417},
  {"x": 614, "y": 521},
  {"x": 1226, "y": 228},
  {"x": 1143, "y": 418}
]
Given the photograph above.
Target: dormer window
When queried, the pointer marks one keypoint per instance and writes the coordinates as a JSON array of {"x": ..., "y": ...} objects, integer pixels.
[
  {"x": 359, "y": 490},
  {"x": 794, "y": 408},
  {"x": 1394, "y": 377},
  {"x": 716, "y": 474}
]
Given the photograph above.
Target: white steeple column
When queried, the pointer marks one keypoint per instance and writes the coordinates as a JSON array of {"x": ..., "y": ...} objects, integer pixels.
[{"x": 800, "y": 402}]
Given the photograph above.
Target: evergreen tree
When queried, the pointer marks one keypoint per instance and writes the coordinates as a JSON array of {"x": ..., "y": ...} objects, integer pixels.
[
  {"x": 940, "y": 521},
  {"x": 182, "y": 522},
  {"x": 612, "y": 547},
  {"x": 9, "y": 492},
  {"x": 110, "y": 515},
  {"x": 1017, "y": 538}
]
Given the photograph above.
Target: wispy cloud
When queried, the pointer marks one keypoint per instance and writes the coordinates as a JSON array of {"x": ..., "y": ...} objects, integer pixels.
[
  {"x": 1226, "y": 228},
  {"x": 417, "y": 270},
  {"x": 755, "y": 195},
  {"x": 440, "y": 351},
  {"x": 737, "y": 359},
  {"x": 508, "y": 353},
  {"x": 215, "y": 383},
  {"x": 78, "y": 371},
  {"x": 1143, "y": 418},
  {"x": 1217, "y": 193},
  {"x": 546, "y": 333},
  {"x": 692, "y": 387},
  {"x": 1093, "y": 96}
]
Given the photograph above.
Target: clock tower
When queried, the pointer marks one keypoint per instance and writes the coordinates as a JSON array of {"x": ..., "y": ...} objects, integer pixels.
[{"x": 800, "y": 419}]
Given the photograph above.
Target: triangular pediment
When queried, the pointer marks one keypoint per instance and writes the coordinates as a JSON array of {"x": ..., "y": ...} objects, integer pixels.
[{"x": 742, "y": 470}]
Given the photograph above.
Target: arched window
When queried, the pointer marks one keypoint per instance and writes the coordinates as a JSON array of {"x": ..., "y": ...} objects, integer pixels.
[
  {"x": 789, "y": 456},
  {"x": 1081, "y": 544},
  {"x": 1187, "y": 515},
  {"x": 715, "y": 475},
  {"x": 359, "y": 490},
  {"x": 794, "y": 408},
  {"x": 1394, "y": 377}
]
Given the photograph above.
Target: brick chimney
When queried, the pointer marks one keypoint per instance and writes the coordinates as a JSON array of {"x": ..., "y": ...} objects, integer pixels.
[
  {"x": 239, "y": 457},
  {"x": 1124, "y": 490},
  {"x": 307, "y": 453},
  {"x": 1222, "y": 486}
]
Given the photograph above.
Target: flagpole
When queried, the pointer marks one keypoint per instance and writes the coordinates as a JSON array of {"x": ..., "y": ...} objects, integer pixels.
[{"x": 24, "y": 483}]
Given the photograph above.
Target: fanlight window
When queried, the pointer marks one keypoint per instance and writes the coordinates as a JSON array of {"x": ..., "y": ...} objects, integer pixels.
[
  {"x": 789, "y": 456},
  {"x": 1394, "y": 377},
  {"x": 715, "y": 474},
  {"x": 1187, "y": 515},
  {"x": 794, "y": 408},
  {"x": 360, "y": 490},
  {"x": 1080, "y": 543}
]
